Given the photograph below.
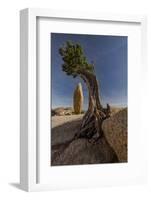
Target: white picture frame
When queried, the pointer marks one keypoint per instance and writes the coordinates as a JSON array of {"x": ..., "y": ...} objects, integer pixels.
[{"x": 29, "y": 148}]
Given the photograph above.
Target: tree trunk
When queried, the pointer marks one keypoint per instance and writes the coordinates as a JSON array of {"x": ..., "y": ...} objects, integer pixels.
[{"x": 91, "y": 125}]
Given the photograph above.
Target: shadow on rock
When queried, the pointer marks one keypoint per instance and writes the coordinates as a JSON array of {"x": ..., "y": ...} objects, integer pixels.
[
  {"x": 64, "y": 132},
  {"x": 64, "y": 151}
]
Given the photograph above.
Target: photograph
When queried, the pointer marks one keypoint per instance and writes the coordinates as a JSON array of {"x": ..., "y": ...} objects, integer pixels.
[{"x": 89, "y": 99}]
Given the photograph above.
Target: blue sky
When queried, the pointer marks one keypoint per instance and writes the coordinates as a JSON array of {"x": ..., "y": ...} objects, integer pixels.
[{"x": 109, "y": 55}]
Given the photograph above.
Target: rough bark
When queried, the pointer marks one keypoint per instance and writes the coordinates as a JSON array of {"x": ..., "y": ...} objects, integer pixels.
[{"x": 91, "y": 126}]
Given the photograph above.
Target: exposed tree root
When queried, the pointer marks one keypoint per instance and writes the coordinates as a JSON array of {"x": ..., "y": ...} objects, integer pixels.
[{"x": 91, "y": 126}]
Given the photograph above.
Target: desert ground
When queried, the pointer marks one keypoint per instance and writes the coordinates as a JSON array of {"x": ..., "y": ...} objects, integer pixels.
[{"x": 111, "y": 149}]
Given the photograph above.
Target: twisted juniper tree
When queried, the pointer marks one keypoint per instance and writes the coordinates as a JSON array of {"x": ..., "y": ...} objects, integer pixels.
[{"x": 76, "y": 64}]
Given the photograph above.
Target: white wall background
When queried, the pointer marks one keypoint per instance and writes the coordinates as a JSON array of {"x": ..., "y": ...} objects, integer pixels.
[{"x": 9, "y": 98}]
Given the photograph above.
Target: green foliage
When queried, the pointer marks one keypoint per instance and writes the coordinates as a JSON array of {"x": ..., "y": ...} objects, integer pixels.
[{"x": 74, "y": 59}]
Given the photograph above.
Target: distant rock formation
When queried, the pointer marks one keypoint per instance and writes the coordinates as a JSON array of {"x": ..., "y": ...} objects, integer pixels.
[
  {"x": 61, "y": 111},
  {"x": 78, "y": 99}
]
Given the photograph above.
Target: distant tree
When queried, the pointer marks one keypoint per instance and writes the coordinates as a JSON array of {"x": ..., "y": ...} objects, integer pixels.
[{"x": 76, "y": 64}]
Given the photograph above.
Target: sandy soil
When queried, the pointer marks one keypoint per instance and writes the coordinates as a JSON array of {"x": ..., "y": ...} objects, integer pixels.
[{"x": 60, "y": 120}]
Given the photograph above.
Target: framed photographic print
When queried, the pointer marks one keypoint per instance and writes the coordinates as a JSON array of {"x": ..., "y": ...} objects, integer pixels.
[{"x": 81, "y": 80}]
